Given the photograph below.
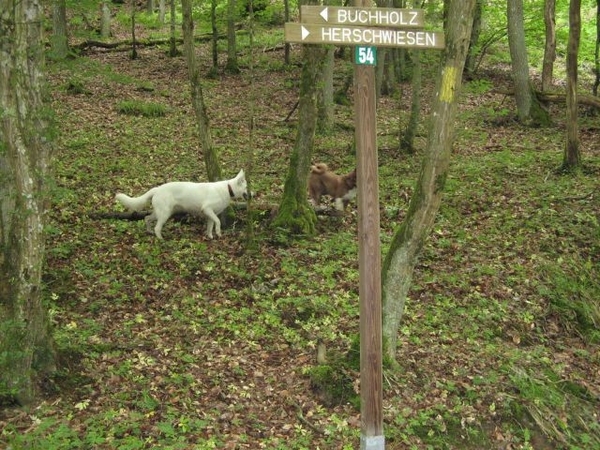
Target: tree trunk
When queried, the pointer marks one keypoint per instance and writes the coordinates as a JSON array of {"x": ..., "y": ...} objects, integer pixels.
[
  {"x": 134, "y": 54},
  {"x": 173, "y": 41},
  {"x": 27, "y": 354},
  {"x": 474, "y": 50},
  {"x": 518, "y": 56},
  {"x": 326, "y": 118},
  {"x": 597, "y": 52},
  {"x": 286, "y": 14},
  {"x": 214, "y": 71},
  {"x": 529, "y": 110},
  {"x": 400, "y": 261},
  {"x": 59, "y": 40},
  {"x": 408, "y": 137},
  {"x": 232, "y": 62},
  {"x": 211, "y": 159},
  {"x": 150, "y": 6},
  {"x": 550, "y": 46},
  {"x": 162, "y": 11},
  {"x": 296, "y": 215},
  {"x": 572, "y": 156},
  {"x": 105, "y": 20}
]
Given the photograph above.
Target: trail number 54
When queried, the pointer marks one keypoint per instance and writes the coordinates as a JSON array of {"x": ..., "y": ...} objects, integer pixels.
[{"x": 366, "y": 55}]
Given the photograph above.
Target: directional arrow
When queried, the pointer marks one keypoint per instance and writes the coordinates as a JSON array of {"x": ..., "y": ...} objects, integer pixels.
[
  {"x": 351, "y": 16},
  {"x": 308, "y": 33},
  {"x": 305, "y": 33},
  {"x": 325, "y": 14}
]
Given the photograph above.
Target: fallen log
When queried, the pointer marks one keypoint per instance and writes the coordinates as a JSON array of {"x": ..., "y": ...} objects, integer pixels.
[
  {"x": 125, "y": 45},
  {"x": 267, "y": 210},
  {"x": 558, "y": 97},
  {"x": 582, "y": 99}
]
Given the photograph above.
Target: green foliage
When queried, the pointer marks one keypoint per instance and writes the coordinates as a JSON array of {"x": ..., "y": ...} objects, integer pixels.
[
  {"x": 572, "y": 287},
  {"x": 189, "y": 343},
  {"x": 334, "y": 381},
  {"x": 556, "y": 408},
  {"x": 141, "y": 108},
  {"x": 76, "y": 86}
]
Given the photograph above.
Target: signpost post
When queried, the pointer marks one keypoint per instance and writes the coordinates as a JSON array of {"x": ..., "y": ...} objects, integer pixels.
[{"x": 366, "y": 28}]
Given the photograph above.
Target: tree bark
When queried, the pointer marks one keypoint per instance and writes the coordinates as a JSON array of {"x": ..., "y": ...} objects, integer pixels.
[
  {"x": 134, "y": 53},
  {"x": 550, "y": 46},
  {"x": 408, "y": 137},
  {"x": 214, "y": 71},
  {"x": 59, "y": 40},
  {"x": 27, "y": 353},
  {"x": 474, "y": 48},
  {"x": 529, "y": 110},
  {"x": 211, "y": 158},
  {"x": 232, "y": 62},
  {"x": 296, "y": 215},
  {"x": 326, "y": 118},
  {"x": 172, "y": 40},
  {"x": 597, "y": 51},
  {"x": 162, "y": 11},
  {"x": 105, "y": 20},
  {"x": 572, "y": 155},
  {"x": 518, "y": 56},
  {"x": 400, "y": 261}
]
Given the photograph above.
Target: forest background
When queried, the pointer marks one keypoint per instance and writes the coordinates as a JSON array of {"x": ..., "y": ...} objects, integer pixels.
[{"x": 190, "y": 343}]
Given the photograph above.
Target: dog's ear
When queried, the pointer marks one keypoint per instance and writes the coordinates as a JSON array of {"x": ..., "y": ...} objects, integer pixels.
[{"x": 241, "y": 174}]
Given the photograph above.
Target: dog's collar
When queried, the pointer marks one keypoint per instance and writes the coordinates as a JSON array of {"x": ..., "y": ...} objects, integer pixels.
[{"x": 231, "y": 194}]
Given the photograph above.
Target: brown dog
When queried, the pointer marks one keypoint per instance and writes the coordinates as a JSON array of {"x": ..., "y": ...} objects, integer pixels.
[{"x": 322, "y": 181}]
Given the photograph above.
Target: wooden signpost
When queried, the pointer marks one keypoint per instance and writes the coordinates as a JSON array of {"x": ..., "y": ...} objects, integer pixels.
[{"x": 366, "y": 28}]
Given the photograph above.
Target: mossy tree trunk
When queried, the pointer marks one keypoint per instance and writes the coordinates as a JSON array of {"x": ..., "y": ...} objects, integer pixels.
[
  {"x": 400, "y": 261},
  {"x": 529, "y": 109},
  {"x": 211, "y": 158},
  {"x": 59, "y": 40},
  {"x": 572, "y": 154},
  {"x": 27, "y": 354},
  {"x": 296, "y": 215}
]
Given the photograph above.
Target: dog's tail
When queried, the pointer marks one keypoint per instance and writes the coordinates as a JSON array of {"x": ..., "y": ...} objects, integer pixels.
[
  {"x": 319, "y": 168},
  {"x": 135, "y": 203}
]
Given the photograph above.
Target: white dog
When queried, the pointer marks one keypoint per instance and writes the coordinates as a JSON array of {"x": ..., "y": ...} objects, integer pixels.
[{"x": 205, "y": 199}]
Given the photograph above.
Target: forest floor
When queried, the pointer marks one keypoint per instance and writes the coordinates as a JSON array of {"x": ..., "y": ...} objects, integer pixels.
[{"x": 191, "y": 343}]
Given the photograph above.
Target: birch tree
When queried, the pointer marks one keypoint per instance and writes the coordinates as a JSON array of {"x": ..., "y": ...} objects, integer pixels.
[
  {"x": 407, "y": 243},
  {"x": 27, "y": 353}
]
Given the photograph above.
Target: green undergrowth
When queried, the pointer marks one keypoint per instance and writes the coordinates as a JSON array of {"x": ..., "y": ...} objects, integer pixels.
[{"x": 192, "y": 343}]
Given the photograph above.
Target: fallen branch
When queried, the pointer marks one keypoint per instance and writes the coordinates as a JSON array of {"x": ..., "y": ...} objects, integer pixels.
[
  {"x": 556, "y": 97},
  {"x": 271, "y": 210},
  {"x": 90, "y": 43}
]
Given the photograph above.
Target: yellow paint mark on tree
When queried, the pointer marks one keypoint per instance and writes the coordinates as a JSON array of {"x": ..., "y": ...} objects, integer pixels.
[{"x": 447, "y": 89}]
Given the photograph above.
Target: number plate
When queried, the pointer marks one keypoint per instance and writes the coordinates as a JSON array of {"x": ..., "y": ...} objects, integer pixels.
[{"x": 366, "y": 56}]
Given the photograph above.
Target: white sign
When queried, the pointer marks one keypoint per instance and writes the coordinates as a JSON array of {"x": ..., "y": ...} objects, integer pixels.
[
  {"x": 384, "y": 17},
  {"x": 379, "y": 37}
]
